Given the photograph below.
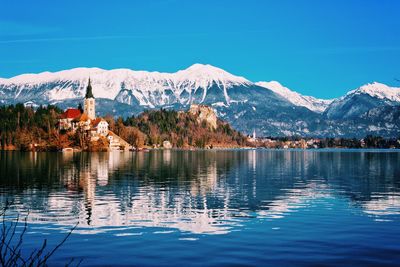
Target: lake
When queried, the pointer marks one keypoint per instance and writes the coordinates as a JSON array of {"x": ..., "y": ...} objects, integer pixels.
[{"x": 197, "y": 208}]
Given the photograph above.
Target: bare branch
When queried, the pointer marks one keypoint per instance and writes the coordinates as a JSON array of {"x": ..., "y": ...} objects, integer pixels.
[{"x": 11, "y": 243}]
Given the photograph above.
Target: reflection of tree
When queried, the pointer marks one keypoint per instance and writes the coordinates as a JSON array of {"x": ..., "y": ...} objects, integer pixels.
[
  {"x": 87, "y": 170},
  {"x": 194, "y": 191}
]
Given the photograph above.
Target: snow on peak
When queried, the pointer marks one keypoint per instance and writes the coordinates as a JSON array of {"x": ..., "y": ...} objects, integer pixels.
[
  {"x": 143, "y": 85},
  {"x": 312, "y": 103},
  {"x": 378, "y": 90},
  {"x": 205, "y": 75},
  {"x": 203, "y": 67},
  {"x": 71, "y": 74}
]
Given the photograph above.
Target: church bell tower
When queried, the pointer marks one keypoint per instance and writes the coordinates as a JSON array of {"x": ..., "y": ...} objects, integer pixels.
[{"x": 89, "y": 107}]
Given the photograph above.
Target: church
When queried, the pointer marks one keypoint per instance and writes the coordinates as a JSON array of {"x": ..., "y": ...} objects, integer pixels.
[{"x": 74, "y": 119}]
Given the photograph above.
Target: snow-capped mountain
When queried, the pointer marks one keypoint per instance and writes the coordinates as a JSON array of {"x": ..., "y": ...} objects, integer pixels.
[
  {"x": 184, "y": 87},
  {"x": 266, "y": 107},
  {"x": 359, "y": 101},
  {"x": 150, "y": 89},
  {"x": 310, "y": 102},
  {"x": 378, "y": 90}
]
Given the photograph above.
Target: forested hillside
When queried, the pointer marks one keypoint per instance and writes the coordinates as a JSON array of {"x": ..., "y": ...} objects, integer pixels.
[
  {"x": 21, "y": 127},
  {"x": 25, "y": 128},
  {"x": 182, "y": 129}
]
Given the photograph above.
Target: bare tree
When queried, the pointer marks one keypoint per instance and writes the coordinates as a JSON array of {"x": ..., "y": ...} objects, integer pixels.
[{"x": 11, "y": 243}]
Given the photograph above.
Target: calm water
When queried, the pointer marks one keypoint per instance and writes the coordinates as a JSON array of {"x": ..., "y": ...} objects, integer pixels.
[{"x": 210, "y": 207}]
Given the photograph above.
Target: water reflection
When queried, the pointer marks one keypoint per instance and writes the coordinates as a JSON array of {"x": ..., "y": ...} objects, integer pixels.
[
  {"x": 293, "y": 199},
  {"x": 383, "y": 204},
  {"x": 207, "y": 192}
]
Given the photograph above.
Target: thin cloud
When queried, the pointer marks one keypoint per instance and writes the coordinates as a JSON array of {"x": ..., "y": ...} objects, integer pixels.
[
  {"x": 56, "y": 39},
  {"x": 110, "y": 37},
  {"x": 11, "y": 28}
]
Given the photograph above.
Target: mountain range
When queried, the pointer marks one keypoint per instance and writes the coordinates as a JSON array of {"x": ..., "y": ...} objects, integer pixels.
[{"x": 269, "y": 108}]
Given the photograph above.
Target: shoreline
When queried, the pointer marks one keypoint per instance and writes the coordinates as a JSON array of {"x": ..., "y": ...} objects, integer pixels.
[{"x": 333, "y": 149}]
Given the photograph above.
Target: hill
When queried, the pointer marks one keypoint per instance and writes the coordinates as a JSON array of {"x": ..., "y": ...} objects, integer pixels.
[
  {"x": 25, "y": 128},
  {"x": 197, "y": 127}
]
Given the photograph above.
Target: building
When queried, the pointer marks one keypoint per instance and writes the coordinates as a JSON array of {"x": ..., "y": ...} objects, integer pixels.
[
  {"x": 90, "y": 103},
  {"x": 83, "y": 122},
  {"x": 67, "y": 118},
  {"x": 73, "y": 119},
  {"x": 100, "y": 127},
  {"x": 252, "y": 138},
  {"x": 117, "y": 143},
  {"x": 167, "y": 144},
  {"x": 95, "y": 128}
]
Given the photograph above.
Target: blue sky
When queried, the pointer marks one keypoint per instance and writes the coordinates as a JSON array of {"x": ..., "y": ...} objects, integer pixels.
[{"x": 320, "y": 48}]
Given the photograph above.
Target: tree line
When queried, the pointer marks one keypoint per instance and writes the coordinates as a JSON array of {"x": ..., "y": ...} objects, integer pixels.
[
  {"x": 24, "y": 127},
  {"x": 369, "y": 141},
  {"x": 181, "y": 129}
]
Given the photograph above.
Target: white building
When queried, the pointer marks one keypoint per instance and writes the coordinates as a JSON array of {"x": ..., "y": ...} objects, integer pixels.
[
  {"x": 117, "y": 143},
  {"x": 100, "y": 126}
]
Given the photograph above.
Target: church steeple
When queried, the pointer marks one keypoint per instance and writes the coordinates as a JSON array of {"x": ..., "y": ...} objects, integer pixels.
[
  {"x": 89, "y": 101},
  {"x": 89, "y": 93}
]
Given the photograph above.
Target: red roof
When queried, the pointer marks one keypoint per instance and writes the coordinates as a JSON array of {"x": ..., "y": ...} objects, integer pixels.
[
  {"x": 96, "y": 122},
  {"x": 71, "y": 113}
]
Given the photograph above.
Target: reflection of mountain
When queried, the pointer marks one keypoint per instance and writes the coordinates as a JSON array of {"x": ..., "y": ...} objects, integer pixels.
[{"x": 198, "y": 192}]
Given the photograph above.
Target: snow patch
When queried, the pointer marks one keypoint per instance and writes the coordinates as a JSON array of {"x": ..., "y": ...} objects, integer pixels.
[
  {"x": 150, "y": 88},
  {"x": 312, "y": 103},
  {"x": 378, "y": 90}
]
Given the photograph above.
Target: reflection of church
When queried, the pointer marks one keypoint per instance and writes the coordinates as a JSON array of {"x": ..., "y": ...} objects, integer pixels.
[
  {"x": 86, "y": 175},
  {"x": 76, "y": 119}
]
